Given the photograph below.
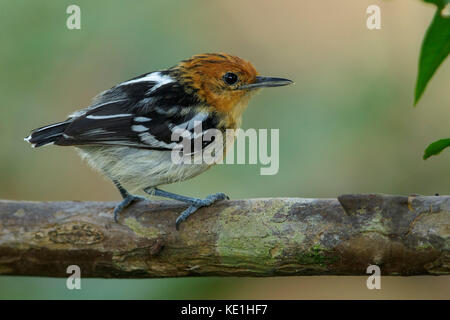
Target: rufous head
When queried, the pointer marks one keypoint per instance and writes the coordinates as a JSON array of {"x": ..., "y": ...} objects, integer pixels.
[{"x": 223, "y": 81}]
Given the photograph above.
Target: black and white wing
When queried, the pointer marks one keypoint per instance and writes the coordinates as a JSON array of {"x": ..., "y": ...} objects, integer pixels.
[{"x": 143, "y": 112}]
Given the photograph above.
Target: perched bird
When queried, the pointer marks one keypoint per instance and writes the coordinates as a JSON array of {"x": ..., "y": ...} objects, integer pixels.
[{"x": 126, "y": 132}]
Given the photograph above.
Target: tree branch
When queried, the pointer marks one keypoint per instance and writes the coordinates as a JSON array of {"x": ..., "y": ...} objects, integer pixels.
[{"x": 259, "y": 237}]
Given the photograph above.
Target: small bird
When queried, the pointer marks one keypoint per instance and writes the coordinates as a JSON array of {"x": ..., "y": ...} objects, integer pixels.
[{"x": 126, "y": 132}]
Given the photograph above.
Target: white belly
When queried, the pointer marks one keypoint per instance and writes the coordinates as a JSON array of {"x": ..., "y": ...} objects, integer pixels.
[{"x": 139, "y": 168}]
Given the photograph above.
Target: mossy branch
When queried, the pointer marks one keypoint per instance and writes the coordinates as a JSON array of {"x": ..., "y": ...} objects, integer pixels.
[{"x": 258, "y": 237}]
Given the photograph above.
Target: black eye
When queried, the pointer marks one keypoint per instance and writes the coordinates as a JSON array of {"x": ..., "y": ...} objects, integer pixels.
[{"x": 230, "y": 78}]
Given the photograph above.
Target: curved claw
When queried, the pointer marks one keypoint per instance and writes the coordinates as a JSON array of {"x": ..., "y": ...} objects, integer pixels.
[
  {"x": 184, "y": 215},
  {"x": 124, "y": 204},
  {"x": 209, "y": 200}
]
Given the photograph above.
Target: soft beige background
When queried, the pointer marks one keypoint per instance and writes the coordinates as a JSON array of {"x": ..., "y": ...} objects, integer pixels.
[{"x": 348, "y": 124}]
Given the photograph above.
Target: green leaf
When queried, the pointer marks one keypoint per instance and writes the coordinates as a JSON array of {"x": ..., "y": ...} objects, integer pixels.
[
  {"x": 435, "y": 48},
  {"x": 436, "y": 148},
  {"x": 439, "y": 3}
]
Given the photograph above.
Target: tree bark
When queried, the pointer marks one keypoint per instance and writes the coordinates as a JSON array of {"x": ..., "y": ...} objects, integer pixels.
[{"x": 258, "y": 237}]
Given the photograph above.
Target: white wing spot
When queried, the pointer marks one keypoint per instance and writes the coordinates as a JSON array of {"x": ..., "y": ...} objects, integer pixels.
[
  {"x": 189, "y": 125},
  {"x": 139, "y": 128},
  {"x": 151, "y": 140},
  {"x": 142, "y": 119},
  {"x": 156, "y": 77},
  {"x": 119, "y": 115}
]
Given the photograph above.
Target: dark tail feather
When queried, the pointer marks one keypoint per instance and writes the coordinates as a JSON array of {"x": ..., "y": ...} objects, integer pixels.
[{"x": 47, "y": 135}]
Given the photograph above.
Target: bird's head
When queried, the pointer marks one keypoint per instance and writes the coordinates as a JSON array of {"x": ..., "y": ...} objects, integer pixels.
[{"x": 223, "y": 81}]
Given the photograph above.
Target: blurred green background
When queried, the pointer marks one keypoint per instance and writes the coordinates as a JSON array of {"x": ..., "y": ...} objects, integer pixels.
[{"x": 347, "y": 125}]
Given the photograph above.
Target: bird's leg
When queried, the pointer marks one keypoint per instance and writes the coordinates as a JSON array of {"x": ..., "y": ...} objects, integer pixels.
[
  {"x": 195, "y": 203},
  {"x": 128, "y": 199}
]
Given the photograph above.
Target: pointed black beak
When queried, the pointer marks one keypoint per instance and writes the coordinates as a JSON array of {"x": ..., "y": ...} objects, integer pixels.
[{"x": 266, "y": 82}]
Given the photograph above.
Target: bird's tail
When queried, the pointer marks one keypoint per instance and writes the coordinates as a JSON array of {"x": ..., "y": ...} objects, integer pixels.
[{"x": 48, "y": 134}]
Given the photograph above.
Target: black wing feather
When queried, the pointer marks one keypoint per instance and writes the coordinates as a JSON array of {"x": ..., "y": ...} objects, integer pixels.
[{"x": 137, "y": 117}]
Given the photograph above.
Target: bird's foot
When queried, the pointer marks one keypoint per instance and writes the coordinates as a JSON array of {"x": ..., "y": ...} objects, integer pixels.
[
  {"x": 198, "y": 203},
  {"x": 127, "y": 200}
]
